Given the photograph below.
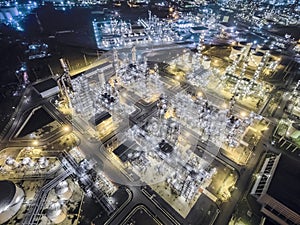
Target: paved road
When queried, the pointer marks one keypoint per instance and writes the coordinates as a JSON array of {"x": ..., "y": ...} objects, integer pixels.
[
  {"x": 243, "y": 182},
  {"x": 117, "y": 174},
  {"x": 34, "y": 211}
]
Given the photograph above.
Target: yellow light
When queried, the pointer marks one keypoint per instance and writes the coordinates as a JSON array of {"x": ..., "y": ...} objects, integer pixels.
[
  {"x": 66, "y": 128},
  {"x": 35, "y": 142},
  {"x": 200, "y": 94},
  {"x": 243, "y": 114}
]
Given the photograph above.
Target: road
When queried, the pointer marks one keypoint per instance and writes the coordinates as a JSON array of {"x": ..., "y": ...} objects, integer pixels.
[
  {"x": 114, "y": 170},
  {"x": 94, "y": 151},
  {"x": 34, "y": 211}
]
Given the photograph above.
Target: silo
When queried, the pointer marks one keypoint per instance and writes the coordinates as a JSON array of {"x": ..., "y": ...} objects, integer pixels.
[
  {"x": 43, "y": 162},
  {"x": 10, "y": 161},
  {"x": 26, "y": 161}
]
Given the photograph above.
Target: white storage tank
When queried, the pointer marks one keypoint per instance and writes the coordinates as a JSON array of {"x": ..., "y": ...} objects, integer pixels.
[
  {"x": 11, "y": 199},
  {"x": 56, "y": 213},
  {"x": 63, "y": 190}
]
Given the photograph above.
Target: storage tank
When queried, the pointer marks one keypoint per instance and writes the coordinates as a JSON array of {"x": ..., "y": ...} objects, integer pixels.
[
  {"x": 10, "y": 161},
  {"x": 26, "y": 161},
  {"x": 56, "y": 213},
  {"x": 63, "y": 190},
  {"x": 11, "y": 199},
  {"x": 43, "y": 162}
]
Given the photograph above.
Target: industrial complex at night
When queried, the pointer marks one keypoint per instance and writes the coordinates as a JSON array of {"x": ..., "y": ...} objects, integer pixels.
[{"x": 150, "y": 112}]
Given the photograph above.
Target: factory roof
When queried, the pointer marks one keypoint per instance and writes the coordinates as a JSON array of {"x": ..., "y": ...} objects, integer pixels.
[{"x": 285, "y": 183}]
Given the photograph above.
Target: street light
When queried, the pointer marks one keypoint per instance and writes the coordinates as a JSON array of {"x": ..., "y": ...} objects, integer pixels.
[
  {"x": 243, "y": 114},
  {"x": 35, "y": 142},
  {"x": 66, "y": 128}
]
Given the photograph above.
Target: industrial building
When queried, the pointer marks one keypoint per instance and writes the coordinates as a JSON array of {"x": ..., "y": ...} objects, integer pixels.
[
  {"x": 8, "y": 13},
  {"x": 47, "y": 88},
  {"x": 277, "y": 189}
]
